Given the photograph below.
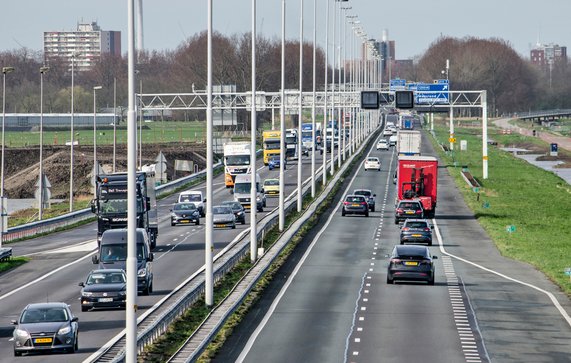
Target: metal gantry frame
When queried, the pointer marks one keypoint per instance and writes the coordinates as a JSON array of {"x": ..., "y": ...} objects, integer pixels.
[{"x": 273, "y": 100}]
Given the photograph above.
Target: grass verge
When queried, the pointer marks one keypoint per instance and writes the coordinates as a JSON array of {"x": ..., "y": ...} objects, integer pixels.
[
  {"x": 536, "y": 202},
  {"x": 12, "y": 263}
]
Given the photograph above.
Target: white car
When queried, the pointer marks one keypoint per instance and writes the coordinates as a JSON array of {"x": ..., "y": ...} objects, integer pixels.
[
  {"x": 387, "y": 132},
  {"x": 195, "y": 197},
  {"x": 393, "y": 140},
  {"x": 382, "y": 145},
  {"x": 372, "y": 163}
]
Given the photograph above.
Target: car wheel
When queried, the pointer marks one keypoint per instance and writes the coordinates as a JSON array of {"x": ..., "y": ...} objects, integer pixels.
[
  {"x": 76, "y": 346},
  {"x": 84, "y": 308},
  {"x": 243, "y": 221},
  {"x": 367, "y": 214},
  {"x": 343, "y": 213},
  {"x": 264, "y": 203},
  {"x": 17, "y": 354},
  {"x": 431, "y": 281},
  {"x": 173, "y": 224},
  {"x": 197, "y": 222},
  {"x": 260, "y": 209},
  {"x": 234, "y": 226},
  {"x": 146, "y": 291},
  {"x": 150, "y": 289},
  {"x": 390, "y": 281},
  {"x": 396, "y": 221},
  {"x": 372, "y": 208}
]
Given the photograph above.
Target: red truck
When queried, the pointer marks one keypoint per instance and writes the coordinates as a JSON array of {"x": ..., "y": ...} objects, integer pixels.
[{"x": 417, "y": 178}]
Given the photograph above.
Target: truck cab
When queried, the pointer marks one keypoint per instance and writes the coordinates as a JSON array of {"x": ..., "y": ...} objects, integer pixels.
[{"x": 195, "y": 197}]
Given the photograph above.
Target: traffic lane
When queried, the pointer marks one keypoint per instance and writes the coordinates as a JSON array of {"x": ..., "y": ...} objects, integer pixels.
[
  {"x": 312, "y": 320},
  {"x": 518, "y": 323}
]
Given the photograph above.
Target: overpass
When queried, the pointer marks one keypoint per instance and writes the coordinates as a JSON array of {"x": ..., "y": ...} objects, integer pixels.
[{"x": 544, "y": 115}]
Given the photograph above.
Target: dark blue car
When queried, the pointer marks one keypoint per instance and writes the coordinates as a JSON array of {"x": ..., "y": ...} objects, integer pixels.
[{"x": 274, "y": 162}]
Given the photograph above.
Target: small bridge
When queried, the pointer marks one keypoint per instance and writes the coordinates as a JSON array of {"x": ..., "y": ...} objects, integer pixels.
[{"x": 545, "y": 115}]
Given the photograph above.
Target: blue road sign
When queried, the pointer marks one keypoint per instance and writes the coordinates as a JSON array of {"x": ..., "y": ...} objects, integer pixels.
[
  {"x": 432, "y": 93},
  {"x": 441, "y": 81},
  {"x": 411, "y": 86},
  {"x": 397, "y": 85}
]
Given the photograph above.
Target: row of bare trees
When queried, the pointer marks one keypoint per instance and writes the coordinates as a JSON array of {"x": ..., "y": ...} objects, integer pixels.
[{"x": 513, "y": 84}]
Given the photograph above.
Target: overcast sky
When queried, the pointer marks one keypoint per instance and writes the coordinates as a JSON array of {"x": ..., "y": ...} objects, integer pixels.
[{"x": 412, "y": 24}]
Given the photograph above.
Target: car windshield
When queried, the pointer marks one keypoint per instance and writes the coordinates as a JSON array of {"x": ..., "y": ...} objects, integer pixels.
[
  {"x": 118, "y": 252},
  {"x": 233, "y": 205},
  {"x": 366, "y": 193},
  {"x": 44, "y": 315},
  {"x": 238, "y": 160},
  {"x": 221, "y": 210},
  {"x": 242, "y": 188},
  {"x": 272, "y": 144},
  {"x": 97, "y": 278},
  {"x": 374, "y": 160},
  {"x": 275, "y": 159},
  {"x": 355, "y": 199},
  {"x": 190, "y": 198},
  {"x": 409, "y": 205},
  {"x": 272, "y": 182},
  {"x": 416, "y": 224},
  {"x": 184, "y": 207},
  {"x": 111, "y": 205},
  {"x": 411, "y": 252}
]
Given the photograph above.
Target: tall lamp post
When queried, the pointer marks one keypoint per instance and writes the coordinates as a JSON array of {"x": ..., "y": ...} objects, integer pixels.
[
  {"x": 71, "y": 141},
  {"x": 41, "y": 180},
  {"x": 2, "y": 197},
  {"x": 95, "y": 168}
]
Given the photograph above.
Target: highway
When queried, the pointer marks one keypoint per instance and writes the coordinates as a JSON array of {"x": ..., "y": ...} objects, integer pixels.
[
  {"x": 60, "y": 261},
  {"x": 333, "y": 303}
]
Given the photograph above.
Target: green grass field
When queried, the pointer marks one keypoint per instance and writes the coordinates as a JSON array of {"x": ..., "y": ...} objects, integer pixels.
[
  {"x": 152, "y": 132},
  {"x": 535, "y": 201}
]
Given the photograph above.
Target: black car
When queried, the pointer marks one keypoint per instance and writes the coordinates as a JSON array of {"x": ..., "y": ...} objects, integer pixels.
[
  {"x": 355, "y": 204},
  {"x": 411, "y": 263},
  {"x": 238, "y": 210},
  {"x": 46, "y": 327},
  {"x": 416, "y": 231},
  {"x": 104, "y": 289},
  {"x": 367, "y": 193},
  {"x": 409, "y": 209},
  {"x": 184, "y": 213}
]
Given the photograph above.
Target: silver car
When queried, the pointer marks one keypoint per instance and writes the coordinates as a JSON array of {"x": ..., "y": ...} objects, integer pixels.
[
  {"x": 223, "y": 216},
  {"x": 46, "y": 327}
]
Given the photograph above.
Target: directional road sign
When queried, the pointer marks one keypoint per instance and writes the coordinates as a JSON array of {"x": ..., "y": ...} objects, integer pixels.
[
  {"x": 432, "y": 93},
  {"x": 397, "y": 85}
]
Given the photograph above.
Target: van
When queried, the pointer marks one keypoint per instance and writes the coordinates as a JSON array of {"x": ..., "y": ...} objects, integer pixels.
[
  {"x": 242, "y": 187},
  {"x": 113, "y": 254},
  {"x": 393, "y": 140},
  {"x": 195, "y": 197}
]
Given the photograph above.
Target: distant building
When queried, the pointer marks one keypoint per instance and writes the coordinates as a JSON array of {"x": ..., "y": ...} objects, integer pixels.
[
  {"x": 548, "y": 55},
  {"x": 88, "y": 43}
]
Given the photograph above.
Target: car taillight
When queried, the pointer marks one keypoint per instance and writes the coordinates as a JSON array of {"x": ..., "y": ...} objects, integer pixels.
[
  {"x": 400, "y": 210},
  {"x": 405, "y": 229},
  {"x": 427, "y": 229},
  {"x": 363, "y": 203},
  {"x": 418, "y": 211},
  {"x": 346, "y": 203},
  {"x": 425, "y": 262},
  {"x": 395, "y": 260}
]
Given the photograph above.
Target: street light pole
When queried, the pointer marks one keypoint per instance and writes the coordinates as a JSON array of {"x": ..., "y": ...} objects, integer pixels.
[
  {"x": 71, "y": 141},
  {"x": 281, "y": 217},
  {"x": 3, "y": 213},
  {"x": 324, "y": 128},
  {"x": 313, "y": 147},
  {"x": 209, "y": 247},
  {"x": 253, "y": 191},
  {"x": 114, "y": 121},
  {"x": 41, "y": 179},
  {"x": 300, "y": 113},
  {"x": 95, "y": 168}
]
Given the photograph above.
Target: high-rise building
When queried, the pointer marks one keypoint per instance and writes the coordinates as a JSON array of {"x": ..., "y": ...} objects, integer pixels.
[
  {"x": 86, "y": 44},
  {"x": 548, "y": 55}
]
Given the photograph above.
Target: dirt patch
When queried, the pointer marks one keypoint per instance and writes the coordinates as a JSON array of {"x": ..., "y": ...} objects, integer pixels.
[{"x": 22, "y": 165}]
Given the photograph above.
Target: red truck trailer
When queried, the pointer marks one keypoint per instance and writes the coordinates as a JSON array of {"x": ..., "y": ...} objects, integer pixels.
[{"x": 417, "y": 178}]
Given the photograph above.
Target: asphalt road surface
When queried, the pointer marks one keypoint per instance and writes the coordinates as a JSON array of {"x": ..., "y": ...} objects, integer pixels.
[{"x": 333, "y": 303}]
